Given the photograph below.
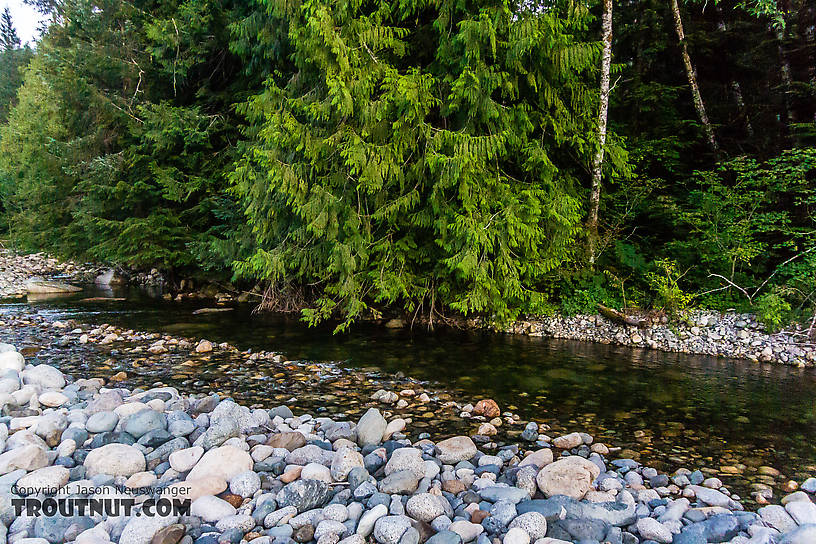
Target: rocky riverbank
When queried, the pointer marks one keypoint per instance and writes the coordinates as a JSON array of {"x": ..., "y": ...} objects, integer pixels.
[
  {"x": 700, "y": 332},
  {"x": 265, "y": 475},
  {"x": 16, "y": 270}
]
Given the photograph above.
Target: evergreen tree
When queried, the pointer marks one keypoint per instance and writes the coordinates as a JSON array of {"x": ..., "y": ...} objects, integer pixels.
[
  {"x": 8, "y": 34},
  {"x": 143, "y": 141},
  {"x": 428, "y": 157}
]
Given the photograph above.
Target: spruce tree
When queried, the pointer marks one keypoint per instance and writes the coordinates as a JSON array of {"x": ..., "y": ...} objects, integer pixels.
[{"x": 9, "y": 39}]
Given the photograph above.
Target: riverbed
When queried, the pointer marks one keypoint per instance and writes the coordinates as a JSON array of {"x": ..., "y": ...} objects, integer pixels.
[{"x": 669, "y": 410}]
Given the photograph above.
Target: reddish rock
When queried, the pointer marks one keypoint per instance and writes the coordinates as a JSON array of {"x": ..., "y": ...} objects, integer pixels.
[
  {"x": 478, "y": 516},
  {"x": 234, "y": 500},
  {"x": 453, "y": 486},
  {"x": 291, "y": 475},
  {"x": 289, "y": 440},
  {"x": 487, "y": 408},
  {"x": 790, "y": 486},
  {"x": 169, "y": 535}
]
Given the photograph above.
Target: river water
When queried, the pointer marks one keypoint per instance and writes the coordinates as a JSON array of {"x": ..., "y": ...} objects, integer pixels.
[{"x": 670, "y": 409}]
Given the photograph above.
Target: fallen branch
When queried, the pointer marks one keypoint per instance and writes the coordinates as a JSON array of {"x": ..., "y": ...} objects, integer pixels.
[{"x": 620, "y": 317}]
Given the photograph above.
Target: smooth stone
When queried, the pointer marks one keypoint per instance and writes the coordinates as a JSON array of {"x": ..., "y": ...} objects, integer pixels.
[
  {"x": 143, "y": 422},
  {"x": 54, "y": 528},
  {"x": 796, "y": 496},
  {"x": 367, "y": 521},
  {"x": 27, "y": 457},
  {"x": 211, "y": 508},
  {"x": 456, "y": 449},
  {"x": 141, "y": 480},
  {"x": 46, "y": 478},
  {"x": 242, "y": 522},
  {"x": 11, "y": 360},
  {"x": 371, "y": 428},
  {"x": 52, "y": 399},
  {"x": 316, "y": 471},
  {"x": 45, "y": 376},
  {"x": 512, "y": 495},
  {"x": 186, "y": 459},
  {"x": 329, "y": 527},
  {"x": 194, "y": 489},
  {"x": 223, "y": 462},
  {"x": 288, "y": 440},
  {"x": 115, "y": 460},
  {"x": 171, "y": 534},
  {"x": 424, "y": 507},
  {"x": 651, "y": 529},
  {"x": 406, "y": 459},
  {"x": 403, "y": 482},
  {"x": 516, "y": 536},
  {"x": 620, "y": 513},
  {"x": 777, "y": 517},
  {"x": 142, "y": 529},
  {"x": 353, "y": 539},
  {"x": 101, "y": 422},
  {"x": 803, "y": 513},
  {"x": 571, "y": 476},
  {"x": 804, "y": 534},
  {"x": 532, "y": 523},
  {"x": 712, "y": 497},
  {"x": 445, "y": 537},
  {"x": 343, "y": 462},
  {"x": 467, "y": 530},
  {"x": 539, "y": 458},
  {"x": 389, "y": 529},
  {"x": 245, "y": 484},
  {"x": 721, "y": 527},
  {"x": 568, "y": 441}
]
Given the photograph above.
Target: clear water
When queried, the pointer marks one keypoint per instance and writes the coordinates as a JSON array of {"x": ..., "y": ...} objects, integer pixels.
[{"x": 672, "y": 409}]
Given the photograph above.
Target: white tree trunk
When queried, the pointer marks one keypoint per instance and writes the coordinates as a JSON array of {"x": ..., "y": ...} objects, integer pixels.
[{"x": 603, "y": 114}]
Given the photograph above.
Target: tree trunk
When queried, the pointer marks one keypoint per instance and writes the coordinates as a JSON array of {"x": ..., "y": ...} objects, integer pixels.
[
  {"x": 692, "y": 79},
  {"x": 603, "y": 112},
  {"x": 736, "y": 88},
  {"x": 810, "y": 41},
  {"x": 785, "y": 74}
]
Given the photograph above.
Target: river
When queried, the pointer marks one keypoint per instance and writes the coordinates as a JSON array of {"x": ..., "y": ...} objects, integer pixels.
[{"x": 669, "y": 409}]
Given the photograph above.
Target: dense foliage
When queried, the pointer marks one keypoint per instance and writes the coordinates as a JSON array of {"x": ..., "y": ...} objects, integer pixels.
[{"x": 427, "y": 158}]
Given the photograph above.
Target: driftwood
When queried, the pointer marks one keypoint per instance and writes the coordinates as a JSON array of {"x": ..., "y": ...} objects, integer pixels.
[
  {"x": 39, "y": 287},
  {"x": 212, "y": 310},
  {"x": 102, "y": 299},
  {"x": 620, "y": 317}
]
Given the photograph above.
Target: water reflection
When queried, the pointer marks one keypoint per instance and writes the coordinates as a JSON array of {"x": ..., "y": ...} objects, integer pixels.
[{"x": 668, "y": 407}]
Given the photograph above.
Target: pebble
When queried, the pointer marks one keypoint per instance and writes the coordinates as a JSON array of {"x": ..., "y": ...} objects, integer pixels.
[{"x": 389, "y": 529}]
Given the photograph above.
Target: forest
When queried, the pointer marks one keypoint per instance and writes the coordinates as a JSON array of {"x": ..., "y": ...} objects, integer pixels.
[{"x": 493, "y": 158}]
